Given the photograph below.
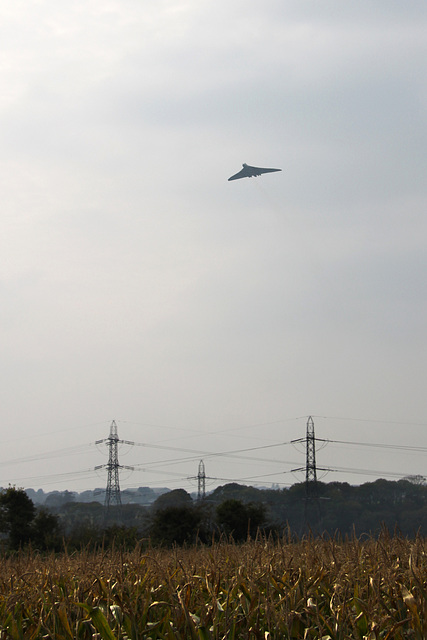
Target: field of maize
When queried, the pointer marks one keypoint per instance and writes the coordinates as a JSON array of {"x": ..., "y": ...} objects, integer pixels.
[{"x": 264, "y": 589}]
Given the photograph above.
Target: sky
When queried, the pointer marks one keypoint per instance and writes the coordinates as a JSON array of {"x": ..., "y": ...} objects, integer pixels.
[{"x": 210, "y": 318}]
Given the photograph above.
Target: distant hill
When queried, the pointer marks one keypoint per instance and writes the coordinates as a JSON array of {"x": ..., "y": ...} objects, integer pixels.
[{"x": 143, "y": 496}]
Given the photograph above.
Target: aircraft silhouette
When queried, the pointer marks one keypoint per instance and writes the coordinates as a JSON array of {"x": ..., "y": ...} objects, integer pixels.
[{"x": 250, "y": 172}]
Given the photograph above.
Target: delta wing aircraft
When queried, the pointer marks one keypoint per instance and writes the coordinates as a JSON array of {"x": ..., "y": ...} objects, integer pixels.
[{"x": 250, "y": 172}]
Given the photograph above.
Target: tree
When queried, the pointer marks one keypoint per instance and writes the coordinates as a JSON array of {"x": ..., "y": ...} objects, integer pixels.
[
  {"x": 46, "y": 532},
  {"x": 121, "y": 537},
  {"x": 240, "y": 520},
  {"x": 235, "y": 491},
  {"x": 17, "y": 512},
  {"x": 22, "y": 523},
  {"x": 59, "y": 498},
  {"x": 417, "y": 479},
  {"x": 175, "y": 498},
  {"x": 175, "y": 525}
]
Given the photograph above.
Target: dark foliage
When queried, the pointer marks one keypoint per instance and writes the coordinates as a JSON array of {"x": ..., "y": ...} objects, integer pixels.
[
  {"x": 121, "y": 537},
  {"x": 22, "y": 524},
  {"x": 46, "y": 532},
  {"x": 175, "y": 525},
  {"x": 17, "y": 513},
  {"x": 175, "y": 498},
  {"x": 240, "y": 520},
  {"x": 233, "y": 509}
]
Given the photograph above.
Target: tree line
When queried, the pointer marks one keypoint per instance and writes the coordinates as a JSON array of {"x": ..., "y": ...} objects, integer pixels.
[{"x": 231, "y": 510}]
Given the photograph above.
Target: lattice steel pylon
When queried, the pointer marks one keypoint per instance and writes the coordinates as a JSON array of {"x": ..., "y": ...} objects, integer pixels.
[
  {"x": 112, "y": 491},
  {"x": 310, "y": 458},
  {"x": 311, "y": 501},
  {"x": 311, "y": 488},
  {"x": 201, "y": 481}
]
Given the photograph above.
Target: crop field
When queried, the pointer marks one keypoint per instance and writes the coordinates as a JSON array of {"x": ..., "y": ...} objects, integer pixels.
[{"x": 264, "y": 589}]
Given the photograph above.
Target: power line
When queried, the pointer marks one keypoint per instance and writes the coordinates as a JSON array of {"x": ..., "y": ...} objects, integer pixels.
[
  {"x": 57, "y": 453},
  {"x": 400, "y": 422},
  {"x": 398, "y": 447},
  {"x": 356, "y": 471},
  {"x": 39, "y": 435},
  {"x": 77, "y": 449},
  {"x": 65, "y": 475}
]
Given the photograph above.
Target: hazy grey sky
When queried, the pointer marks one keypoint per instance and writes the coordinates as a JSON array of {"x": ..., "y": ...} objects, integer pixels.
[{"x": 138, "y": 284}]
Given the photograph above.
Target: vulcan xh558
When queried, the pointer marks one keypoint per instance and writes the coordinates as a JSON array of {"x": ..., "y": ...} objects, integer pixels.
[{"x": 250, "y": 172}]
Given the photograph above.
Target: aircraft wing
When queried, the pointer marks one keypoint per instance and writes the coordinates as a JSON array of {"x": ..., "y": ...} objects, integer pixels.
[
  {"x": 250, "y": 172},
  {"x": 242, "y": 174}
]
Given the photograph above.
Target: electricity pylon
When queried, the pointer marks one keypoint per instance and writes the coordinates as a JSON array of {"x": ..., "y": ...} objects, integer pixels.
[
  {"x": 310, "y": 460},
  {"x": 112, "y": 492},
  {"x": 201, "y": 482},
  {"x": 311, "y": 502}
]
